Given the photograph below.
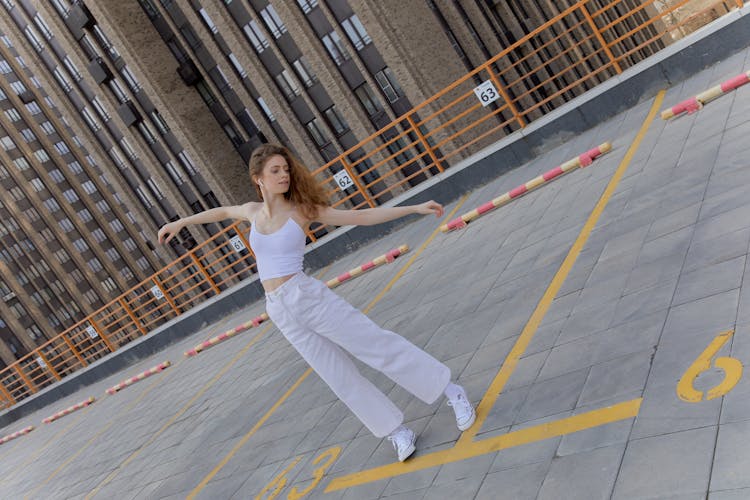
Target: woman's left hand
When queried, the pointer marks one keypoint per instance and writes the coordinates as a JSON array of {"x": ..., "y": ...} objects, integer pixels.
[{"x": 430, "y": 207}]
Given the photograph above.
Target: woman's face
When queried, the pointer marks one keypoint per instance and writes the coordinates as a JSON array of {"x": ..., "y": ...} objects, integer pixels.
[{"x": 276, "y": 176}]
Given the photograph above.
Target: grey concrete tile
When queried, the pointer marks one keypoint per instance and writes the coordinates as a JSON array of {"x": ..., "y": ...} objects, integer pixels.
[
  {"x": 732, "y": 457},
  {"x": 626, "y": 338},
  {"x": 644, "y": 302},
  {"x": 715, "y": 250},
  {"x": 552, "y": 396},
  {"x": 469, "y": 468},
  {"x": 519, "y": 483},
  {"x": 589, "y": 474},
  {"x": 668, "y": 465},
  {"x": 710, "y": 315},
  {"x": 740, "y": 494},
  {"x": 466, "y": 487},
  {"x": 537, "y": 452},
  {"x": 709, "y": 280},
  {"x": 617, "y": 376}
]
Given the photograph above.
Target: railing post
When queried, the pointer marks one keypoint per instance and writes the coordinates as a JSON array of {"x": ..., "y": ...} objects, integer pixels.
[
  {"x": 132, "y": 316},
  {"x": 205, "y": 273},
  {"x": 599, "y": 37},
  {"x": 174, "y": 307},
  {"x": 48, "y": 365},
  {"x": 505, "y": 95},
  {"x": 7, "y": 395},
  {"x": 74, "y": 350},
  {"x": 26, "y": 381},
  {"x": 356, "y": 181},
  {"x": 102, "y": 335},
  {"x": 425, "y": 144}
]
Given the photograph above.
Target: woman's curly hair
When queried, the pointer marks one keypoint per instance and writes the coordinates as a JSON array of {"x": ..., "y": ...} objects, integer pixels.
[{"x": 304, "y": 191}]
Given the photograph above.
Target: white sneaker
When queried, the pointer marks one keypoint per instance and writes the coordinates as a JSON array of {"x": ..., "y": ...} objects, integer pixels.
[
  {"x": 403, "y": 441},
  {"x": 465, "y": 413}
]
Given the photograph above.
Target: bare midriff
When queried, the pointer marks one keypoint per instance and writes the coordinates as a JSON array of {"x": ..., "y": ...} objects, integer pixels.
[{"x": 272, "y": 284}]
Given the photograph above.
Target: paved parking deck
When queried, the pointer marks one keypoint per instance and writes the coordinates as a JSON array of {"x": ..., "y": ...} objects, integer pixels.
[{"x": 600, "y": 322}]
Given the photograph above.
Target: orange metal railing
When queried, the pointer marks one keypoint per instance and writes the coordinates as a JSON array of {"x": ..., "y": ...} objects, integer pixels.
[{"x": 579, "y": 48}]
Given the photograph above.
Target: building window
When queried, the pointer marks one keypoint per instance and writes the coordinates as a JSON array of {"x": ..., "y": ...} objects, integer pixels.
[
  {"x": 256, "y": 36},
  {"x": 40, "y": 154},
  {"x": 8, "y": 143},
  {"x": 266, "y": 109},
  {"x": 37, "y": 184},
  {"x": 33, "y": 108},
  {"x": 273, "y": 21},
  {"x": 89, "y": 118},
  {"x": 48, "y": 128},
  {"x": 388, "y": 84},
  {"x": 62, "y": 79},
  {"x": 71, "y": 196},
  {"x": 80, "y": 245},
  {"x": 307, "y": 5},
  {"x": 336, "y": 121},
  {"x": 62, "y": 148},
  {"x": 116, "y": 225},
  {"x": 33, "y": 38},
  {"x": 118, "y": 91},
  {"x": 335, "y": 47},
  {"x": 99, "y": 107},
  {"x": 237, "y": 66},
  {"x": 113, "y": 254},
  {"x": 75, "y": 167},
  {"x": 12, "y": 115},
  {"x": 316, "y": 132},
  {"x": 85, "y": 215},
  {"x": 51, "y": 205},
  {"x": 207, "y": 19},
  {"x": 304, "y": 72},
  {"x": 22, "y": 164},
  {"x": 368, "y": 100},
  {"x": 159, "y": 122},
  {"x": 287, "y": 85},
  {"x": 66, "y": 225},
  {"x": 95, "y": 265},
  {"x": 72, "y": 69},
  {"x": 89, "y": 187},
  {"x": 232, "y": 133},
  {"x": 187, "y": 163},
  {"x": 356, "y": 32},
  {"x": 103, "y": 206},
  {"x": 5, "y": 67},
  {"x": 28, "y": 135},
  {"x": 145, "y": 198},
  {"x": 174, "y": 173}
]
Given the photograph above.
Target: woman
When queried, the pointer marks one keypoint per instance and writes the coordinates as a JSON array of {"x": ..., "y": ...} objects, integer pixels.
[{"x": 316, "y": 321}]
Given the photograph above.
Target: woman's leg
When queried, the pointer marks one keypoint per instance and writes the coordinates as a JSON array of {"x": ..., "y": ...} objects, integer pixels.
[
  {"x": 335, "y": 367},
  {"x": 406, "y": 364}
]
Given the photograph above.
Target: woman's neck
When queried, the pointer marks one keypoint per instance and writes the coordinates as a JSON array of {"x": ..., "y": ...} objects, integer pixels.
[{"x": 275, "y": 204}]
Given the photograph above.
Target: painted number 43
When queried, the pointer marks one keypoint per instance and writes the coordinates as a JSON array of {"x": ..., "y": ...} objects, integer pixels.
[{"x": 272, "y": 489}]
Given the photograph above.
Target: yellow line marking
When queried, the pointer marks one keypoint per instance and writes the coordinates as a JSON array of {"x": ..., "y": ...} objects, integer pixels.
[
  {"x": 177, "y": 415},
  {"x": 465, "y": 447},
  {"x": 561, "y": 427},
  {"x": 511, "y": 361},
  {"x": 278, "y": 403},
  {"x": 8, "y": 477}
]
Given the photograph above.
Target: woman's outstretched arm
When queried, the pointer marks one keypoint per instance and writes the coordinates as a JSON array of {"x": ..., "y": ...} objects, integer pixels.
[
  {"x": 237, "y": 212},
  {"x": 372, "y": 216}
]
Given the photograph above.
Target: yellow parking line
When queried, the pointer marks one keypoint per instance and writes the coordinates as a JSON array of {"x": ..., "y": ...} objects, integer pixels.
[
  {"x": 595, "y": 418},
  {"x": 465, "y": 447},
  {"x": 278, "y": 403},
  {"x": 511, "y": 361}
]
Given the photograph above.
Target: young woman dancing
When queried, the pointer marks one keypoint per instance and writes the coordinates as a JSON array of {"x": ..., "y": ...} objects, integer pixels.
[{"x": 316, "y": 321}]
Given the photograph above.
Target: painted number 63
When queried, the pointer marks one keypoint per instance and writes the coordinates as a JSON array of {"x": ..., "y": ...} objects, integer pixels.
[{"x": 731, "y": 366}]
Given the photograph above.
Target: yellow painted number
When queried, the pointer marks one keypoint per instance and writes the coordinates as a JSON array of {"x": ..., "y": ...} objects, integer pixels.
[
  {"x": 278, "y": 483},
  {"x": 731, "y": 366},
  {"x": 318, "y": 473}
]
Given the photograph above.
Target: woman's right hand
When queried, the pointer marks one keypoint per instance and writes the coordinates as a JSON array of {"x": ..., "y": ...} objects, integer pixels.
[{"x": 169, "y": 231}]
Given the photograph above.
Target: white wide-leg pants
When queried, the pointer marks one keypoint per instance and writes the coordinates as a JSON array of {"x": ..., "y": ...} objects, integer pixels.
[{"x": 319, "y": 323}]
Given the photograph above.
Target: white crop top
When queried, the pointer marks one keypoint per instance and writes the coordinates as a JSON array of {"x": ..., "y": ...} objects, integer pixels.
[{"x": 279, "y": 253}]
